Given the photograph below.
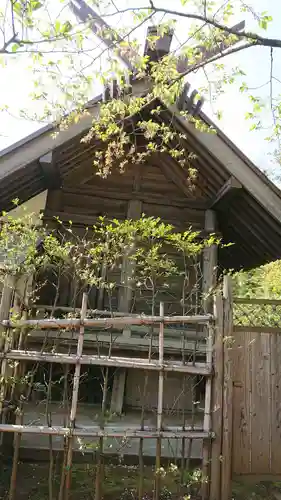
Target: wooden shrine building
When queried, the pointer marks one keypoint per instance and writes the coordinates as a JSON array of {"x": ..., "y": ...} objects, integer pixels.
[{"x": 230, "y": 197}]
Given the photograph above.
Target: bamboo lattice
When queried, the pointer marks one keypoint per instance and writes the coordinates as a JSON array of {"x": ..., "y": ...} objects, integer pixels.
[{"x": 72, "y": 430}]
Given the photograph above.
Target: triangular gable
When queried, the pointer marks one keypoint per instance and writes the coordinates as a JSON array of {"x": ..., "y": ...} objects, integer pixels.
[{"x": 219, "y": 162}]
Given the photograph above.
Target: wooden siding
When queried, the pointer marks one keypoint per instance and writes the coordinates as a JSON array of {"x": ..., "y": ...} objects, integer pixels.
[
  {"x": 175, "y": 401},
  {"x": 256, "y": 403},
  {"x": 84, "y": 197}
]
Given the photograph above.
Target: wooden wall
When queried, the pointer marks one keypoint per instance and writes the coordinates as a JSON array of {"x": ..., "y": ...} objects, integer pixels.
[
  {"x": 85, "y": 196},
  {"x": 177, "y": 393},
  {"x": 256, "y": 403}
]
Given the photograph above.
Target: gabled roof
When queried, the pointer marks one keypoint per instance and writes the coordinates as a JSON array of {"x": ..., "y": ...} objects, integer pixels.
[{"x": 248, "y": 204}]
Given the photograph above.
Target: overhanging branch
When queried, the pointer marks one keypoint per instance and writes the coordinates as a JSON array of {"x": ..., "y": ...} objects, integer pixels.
[{"x": 253, "y": 37}]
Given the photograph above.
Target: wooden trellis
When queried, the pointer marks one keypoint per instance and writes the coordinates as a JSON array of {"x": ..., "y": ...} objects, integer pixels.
[{"x": 161, "y": 366}]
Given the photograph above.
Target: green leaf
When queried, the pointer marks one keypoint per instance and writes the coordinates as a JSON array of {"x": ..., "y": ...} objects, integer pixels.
[
  {"x": 15, "y": 47},
  {"x": 66, "y": 27},
  {"x": 219, "y": 114},
  {"x": 35, "y": 5},
  {"x": 57, "y": 26},
  {"x": 17, "y": 8}
]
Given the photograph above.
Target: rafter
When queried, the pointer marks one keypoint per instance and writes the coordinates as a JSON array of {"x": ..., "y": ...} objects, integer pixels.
[
  {"x": 50, "y": 171},
  {"x": 230, "y": 189}
]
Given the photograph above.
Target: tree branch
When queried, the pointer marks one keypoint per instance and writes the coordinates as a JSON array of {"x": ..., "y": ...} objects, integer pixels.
[
  {"x": 203, "y": 63},
  {"x": 6, "y": 44},
  {"x": 254, "y": 37}
]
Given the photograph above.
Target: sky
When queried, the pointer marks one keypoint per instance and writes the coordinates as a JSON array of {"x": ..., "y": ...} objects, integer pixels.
[{"x": 16, "y": 85}]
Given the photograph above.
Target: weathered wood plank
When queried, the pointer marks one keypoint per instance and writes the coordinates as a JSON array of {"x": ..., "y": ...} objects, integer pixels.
[
  {"x": 260, "y": 407},
  {"x": 241, "y": 442},
  {"x": 226, "y": 192},
  {"x": 245, "y": 300},
  {"x": 227, "y": 439},
  {"x": 127, "y": 273},
  {"x": 208, "y": 285},
  {"x": 217, "y": 401},
  {"x": 209, "y": 263},
  {"x": 125, "y": 298},
  {"x": 275, "y": 342}
]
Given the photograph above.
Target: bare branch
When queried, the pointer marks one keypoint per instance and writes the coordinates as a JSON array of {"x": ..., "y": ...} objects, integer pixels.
[{"x": 254, "y": 37}]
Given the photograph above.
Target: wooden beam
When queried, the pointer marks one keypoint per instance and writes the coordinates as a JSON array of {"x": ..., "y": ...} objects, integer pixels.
[
  {"x": 162, "y": 45},
  {"x": 208, "y": 287},
  {"x": 175, "y": 173},
  {"x": 50, "y": 171},
  {"x": 6, "y": 342},
  {"x": 227, "y": 424},
  {"x": 230, "y": 189},
  {"x": 217, "y": 401},
  {"x": 77, "y": 219},
  {"x": 229, "y": 157},
  {"x": 208, "y": 53},
  {"x": 158, "y": 199},
  {"x": 124, "y": 302},
  {"x": 209, "y": 263},
  {"x": 172, "y": 343},
  {"x": 117, "y": 432},
  {"x": 118, "y": 391},
  {"x": 126, "y": 289},
  {"x": 198, "y": 368}
]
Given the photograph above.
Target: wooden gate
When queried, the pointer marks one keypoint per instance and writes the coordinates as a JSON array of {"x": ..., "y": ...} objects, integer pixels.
[
  {"x": 246, "y": 407},
  {"x": 256, "y": 356}
]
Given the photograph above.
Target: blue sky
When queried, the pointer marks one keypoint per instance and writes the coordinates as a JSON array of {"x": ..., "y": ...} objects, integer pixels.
[{"x": 16, "y": 84}]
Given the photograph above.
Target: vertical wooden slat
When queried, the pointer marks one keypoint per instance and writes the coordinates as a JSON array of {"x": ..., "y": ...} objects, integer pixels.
[
  {"x": 19, "y": 420},
  {"x": 128, "y": 265},
  {"x": 217, "y": 401},
  {"x": 249, "y": 338},
  {"x": 160, "y": 405},
  {"x": 75, "y": 392},
  {"x": 208, "y": 286},
  {"x": 209, "y": 264},
  {"x": 5, "y": 338},
  {"x": 124, "y": 304},
  {"x": 261, "y": 404},
  {"x": 226, "y": 473},
  {"x": 241, "y": 443},
  {"x": 276, "y": 402}
]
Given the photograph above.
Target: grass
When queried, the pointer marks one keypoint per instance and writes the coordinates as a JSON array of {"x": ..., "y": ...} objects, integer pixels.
[{"x": 121, "y": 483}]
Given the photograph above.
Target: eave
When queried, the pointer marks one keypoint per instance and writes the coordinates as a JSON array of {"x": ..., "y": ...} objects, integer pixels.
[{"x": 247, "y": 204}]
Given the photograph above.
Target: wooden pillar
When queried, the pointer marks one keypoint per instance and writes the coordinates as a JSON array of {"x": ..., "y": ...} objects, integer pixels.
[
  {"x": 5, "y": 341},
  {"x": 208, "y": 287},
  {"x": 118, "y": 390},
  {"x": 217, "y": 401},
  {"x": 127, "y": 272},
  {"x": 209, "y": 264},
  {"x": 54, "y": 202},
  {"x": 124, "y": 305},
  {"x": 227, "y": 436}
]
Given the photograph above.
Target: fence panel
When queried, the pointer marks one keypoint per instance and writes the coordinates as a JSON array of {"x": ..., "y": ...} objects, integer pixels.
[{"x": 256, "y": 354}]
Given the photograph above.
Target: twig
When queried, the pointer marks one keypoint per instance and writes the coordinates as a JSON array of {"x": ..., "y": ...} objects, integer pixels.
[{"x": 253, "y": 37}]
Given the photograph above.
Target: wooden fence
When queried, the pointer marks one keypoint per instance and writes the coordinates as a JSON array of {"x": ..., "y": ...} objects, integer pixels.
[
  {"x": 242, "y": 370},
  {"x": 71, "y": 430},
  {"x": 246, "y": 396},
  {"x": 256, "y": 356}
]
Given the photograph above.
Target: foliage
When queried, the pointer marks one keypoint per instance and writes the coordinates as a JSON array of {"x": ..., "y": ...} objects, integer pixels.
[
  {"x": 261, "y": 283},
  {"x": 120, "y": 483},
  {"x": 91, "y": 262},
  {"x": 129, "y": 127},
  {"x": 29, "y": 249}
]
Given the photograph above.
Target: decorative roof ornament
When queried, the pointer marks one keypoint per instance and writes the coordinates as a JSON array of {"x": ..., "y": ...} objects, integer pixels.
[{"x": 187, "y": 101}]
